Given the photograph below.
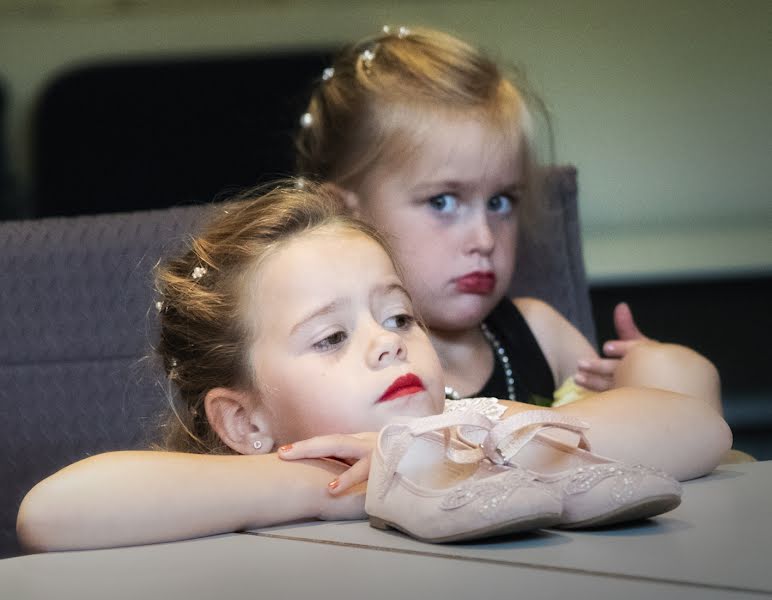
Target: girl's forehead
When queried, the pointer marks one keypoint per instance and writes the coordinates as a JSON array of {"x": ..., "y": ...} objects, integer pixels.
[
  {"x": 328, "y": 247},
  {"x": 314, "y": 268},
  {"x": 451, "y": 147}
]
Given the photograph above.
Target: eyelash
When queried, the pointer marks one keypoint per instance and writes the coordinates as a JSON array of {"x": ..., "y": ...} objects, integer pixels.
[
  {"x": 339, "y": 337},
  {"x": 513, "y": 200},
  {"x": 409, "y": 320}
]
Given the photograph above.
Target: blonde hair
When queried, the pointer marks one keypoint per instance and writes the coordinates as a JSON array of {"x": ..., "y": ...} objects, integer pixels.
[
  {"x": 372, "y": 105},
  {"x": 203, "y": 336}
]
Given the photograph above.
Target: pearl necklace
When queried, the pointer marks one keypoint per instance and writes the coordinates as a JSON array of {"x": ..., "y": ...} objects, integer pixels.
[{"x": 501, "y": 355}]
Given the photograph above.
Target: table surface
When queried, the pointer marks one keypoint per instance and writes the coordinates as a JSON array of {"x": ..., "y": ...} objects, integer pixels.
[{"x": 717, "y": 544}]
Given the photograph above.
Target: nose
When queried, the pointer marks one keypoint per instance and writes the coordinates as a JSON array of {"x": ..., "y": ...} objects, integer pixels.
[
  {"x": 386, "y": 348},
  {"x": 480, "y": 235}
]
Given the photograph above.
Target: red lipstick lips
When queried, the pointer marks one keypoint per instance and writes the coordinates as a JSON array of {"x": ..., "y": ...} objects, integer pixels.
[
  {"x": 479, "y": 282},
  {"x": 402, "y": 386}
]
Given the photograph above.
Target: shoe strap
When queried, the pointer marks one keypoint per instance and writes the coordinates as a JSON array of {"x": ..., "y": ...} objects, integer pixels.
[
  {"x": 401, "y": 437},
  {"x": 509, "y": 436}
]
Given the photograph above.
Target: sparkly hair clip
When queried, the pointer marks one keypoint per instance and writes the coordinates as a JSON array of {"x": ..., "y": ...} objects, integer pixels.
[
  {"x": 402, "y": 32},
  {"x": 328, "y": 73},
  {"x": 367, "y": 56},
  {"x": 198, "y": 273},
  {"x": 159, "y": 306},
  {"x": 306, "y": 120}
]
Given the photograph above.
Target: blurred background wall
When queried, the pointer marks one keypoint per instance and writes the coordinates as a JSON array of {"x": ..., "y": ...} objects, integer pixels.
[{"x": 664, "y": 107}]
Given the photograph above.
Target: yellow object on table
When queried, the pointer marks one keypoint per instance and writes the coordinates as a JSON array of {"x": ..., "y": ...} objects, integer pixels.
[{"x": 569, "y": 392}]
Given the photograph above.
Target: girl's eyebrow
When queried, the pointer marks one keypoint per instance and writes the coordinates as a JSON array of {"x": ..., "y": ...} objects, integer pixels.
[
  {"x": 336, "y": 304},
  {"x": 439, "y": 185},
  {"x": 386, "y": 289},
  {"x": 453, "y": 185},
  {"x": 320, "y": 312}
]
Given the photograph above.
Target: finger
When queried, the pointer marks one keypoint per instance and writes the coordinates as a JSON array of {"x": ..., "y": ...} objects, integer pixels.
[
  {"x": 339, "y": 446},
  {"x": 598, "y": 366},
  {"x": 351, "y": 477},
  {"x": 624, "y": 323},
  {"x": 596, "y": 383},
  {"x": 619, "y": 348}
]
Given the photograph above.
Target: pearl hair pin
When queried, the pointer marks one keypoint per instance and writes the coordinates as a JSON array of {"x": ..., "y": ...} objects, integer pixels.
[
  {"x": 402, "y": 32},
  {"x": 198, "y": 273},
  {"x": 306, "y": 120},
  {"x": 367, "y": 56}
]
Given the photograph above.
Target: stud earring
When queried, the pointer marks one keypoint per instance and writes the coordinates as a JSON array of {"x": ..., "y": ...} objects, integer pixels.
[{"x": 257, "y": 444}]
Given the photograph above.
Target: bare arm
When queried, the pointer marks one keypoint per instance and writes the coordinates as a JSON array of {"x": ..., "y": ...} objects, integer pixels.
[
  {"x": 125, "y": 498},
  {"x": 563, "y": 344},
  {"x": 644, "y": 363},
  {"x": 679, "y": 434},
  {"x": 670, "y": 367}
]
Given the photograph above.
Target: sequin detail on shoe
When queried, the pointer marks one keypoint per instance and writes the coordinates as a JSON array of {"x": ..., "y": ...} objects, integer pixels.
[
  {"x": 488, "y": 494},
  {"x": 627, "y": 479}
]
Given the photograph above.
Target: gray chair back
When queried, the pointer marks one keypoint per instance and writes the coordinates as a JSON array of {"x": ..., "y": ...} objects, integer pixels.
[{"x": 77, "y": 323}]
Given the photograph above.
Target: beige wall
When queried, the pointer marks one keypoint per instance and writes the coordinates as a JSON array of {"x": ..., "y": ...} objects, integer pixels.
[{"x": 663, "y": 106}]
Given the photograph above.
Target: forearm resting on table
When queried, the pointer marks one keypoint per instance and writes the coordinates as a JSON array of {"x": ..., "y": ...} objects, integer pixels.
[
  {"x": 673, "y": 432},
  {"x": 126, "y": 498}
]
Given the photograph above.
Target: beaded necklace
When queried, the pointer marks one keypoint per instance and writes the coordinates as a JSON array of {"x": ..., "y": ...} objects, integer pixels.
[{"x": 501, "y": 355}]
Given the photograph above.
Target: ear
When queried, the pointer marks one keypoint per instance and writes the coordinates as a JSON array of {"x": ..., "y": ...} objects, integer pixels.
[
  {"x": 350, "y": 199},
  {"x": 238, "y": 419}
]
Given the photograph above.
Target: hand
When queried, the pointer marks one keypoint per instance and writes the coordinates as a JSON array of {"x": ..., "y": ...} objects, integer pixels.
[
  {"x": 598, "y": 373},
  {"x": 354, "y": 450}
]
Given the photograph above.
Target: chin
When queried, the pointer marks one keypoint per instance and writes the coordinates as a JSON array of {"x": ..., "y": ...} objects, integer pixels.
[
  {"x": 414, "y": 405},
  {"x": 464, "y": 312}
]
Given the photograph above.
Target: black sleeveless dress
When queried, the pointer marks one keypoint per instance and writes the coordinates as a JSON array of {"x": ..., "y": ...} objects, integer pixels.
[{"x": 534, "y": 383}]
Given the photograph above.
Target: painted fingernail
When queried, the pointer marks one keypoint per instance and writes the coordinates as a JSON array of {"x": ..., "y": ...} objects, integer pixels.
[
  {"x": 610, "y": 347},
  {"x": 584, "y": 364},
  {"x": 333, "y": 484},
  {"x": 579, "y": 378},
  {"x": 286, "y": 448}
]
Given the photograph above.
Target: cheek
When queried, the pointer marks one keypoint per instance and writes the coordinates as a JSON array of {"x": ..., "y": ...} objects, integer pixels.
[
  {"x": 318, "y": 403},
  {"x": 506, "y": 240},
  {"x": 279, "y": 389}
]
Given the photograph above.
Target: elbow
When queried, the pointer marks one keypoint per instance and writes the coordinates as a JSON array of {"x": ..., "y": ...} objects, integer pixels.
[
  {"x": 724, "y": 439},
  {"x": 673, "y": 368},
  {"x": 46, "y": 519},
  {"x": 33, "y": 526},
  {"x": 713, "y": 441}
]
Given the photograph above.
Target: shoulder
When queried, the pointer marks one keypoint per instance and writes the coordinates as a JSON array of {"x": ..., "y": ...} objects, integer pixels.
[
  {"x": 539, "y": 315},
  {"x": 562, "y": 343},
  {"x": 527, "y": 304}
]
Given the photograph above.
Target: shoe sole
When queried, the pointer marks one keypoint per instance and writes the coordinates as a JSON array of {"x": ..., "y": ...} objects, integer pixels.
[
  {"x": 644, "y": 509},
  {"x": 521, "y": 525}
]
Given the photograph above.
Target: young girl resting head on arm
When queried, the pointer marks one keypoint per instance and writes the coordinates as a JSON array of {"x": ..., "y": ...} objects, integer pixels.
[{"x": 285, "y": 320}]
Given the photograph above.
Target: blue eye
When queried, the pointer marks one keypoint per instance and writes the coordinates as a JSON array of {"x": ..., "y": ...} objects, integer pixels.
[
  {"x": 401, "y": 321},
  {"x": 444, "y": 203},
  {"x": 501, "y": 204},
  {"x": 331, "y": 341}
]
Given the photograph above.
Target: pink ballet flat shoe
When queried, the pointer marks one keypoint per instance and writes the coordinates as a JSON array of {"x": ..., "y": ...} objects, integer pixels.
[
  {"x": 429, "y": 485},
  {"x": 596, "y": 491}
]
